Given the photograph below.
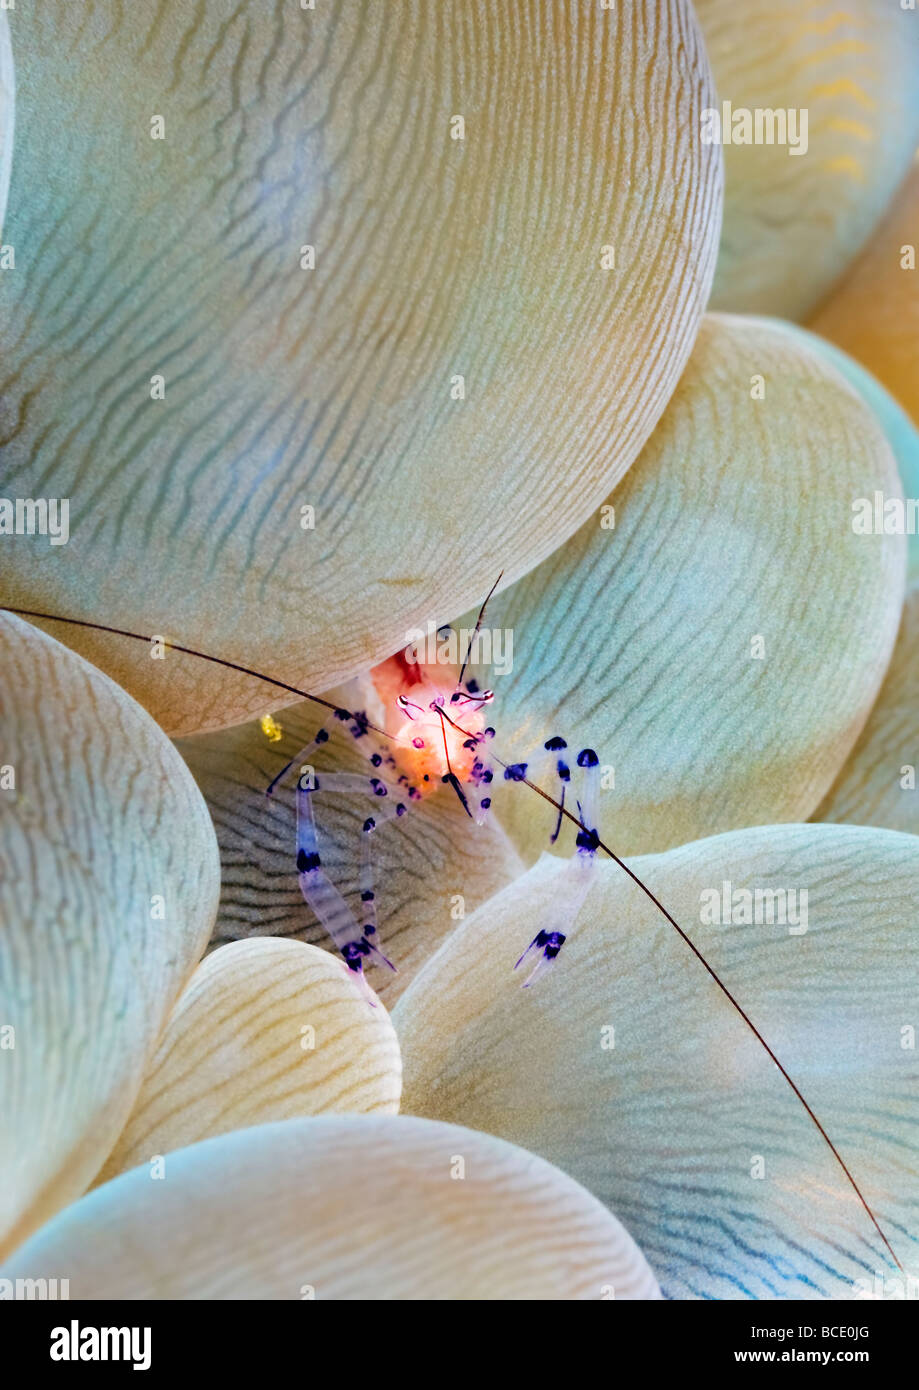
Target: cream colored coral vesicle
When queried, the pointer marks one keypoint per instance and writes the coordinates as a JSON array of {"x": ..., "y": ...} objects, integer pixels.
[
  {"x": 818, "y": 114},
  {"x": 265, "y": 1030},
  {"x": 721, "y": 645},
  {"x": 629, "y": 1068},
  {"x": 343, "y": 1207},
  {"x": 387, "y": 310},
  {"x": 109, "y": 881},
  {"x": 873, "y": 312}
]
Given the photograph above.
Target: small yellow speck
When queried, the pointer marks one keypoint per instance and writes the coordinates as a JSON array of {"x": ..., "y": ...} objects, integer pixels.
[{"x": 271, "y": 728}]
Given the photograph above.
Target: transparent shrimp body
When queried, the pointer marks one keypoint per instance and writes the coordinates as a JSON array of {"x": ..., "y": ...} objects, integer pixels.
[{"x": 423, "y": 729}]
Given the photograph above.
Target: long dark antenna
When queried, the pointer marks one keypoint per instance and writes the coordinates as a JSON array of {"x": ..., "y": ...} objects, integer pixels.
[
  {"x": 188, "y": 651},
  {"x": 305, "y": 695},
  {"x": 477, "y": 629},
  {"x": 728, "y": 995}
]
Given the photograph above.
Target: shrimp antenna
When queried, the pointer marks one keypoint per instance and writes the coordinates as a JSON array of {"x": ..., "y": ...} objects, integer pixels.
[
  {"x": 477, "y": 629},
  {"x": 728, "y": 995},
  {"x": 451, "y": 776},
  {"x": 563, "y": 811},
  {"x": 189, "y": 651}
]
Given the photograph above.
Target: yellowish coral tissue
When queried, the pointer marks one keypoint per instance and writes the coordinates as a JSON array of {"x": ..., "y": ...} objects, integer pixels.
[{"x": 271, "y": 728}]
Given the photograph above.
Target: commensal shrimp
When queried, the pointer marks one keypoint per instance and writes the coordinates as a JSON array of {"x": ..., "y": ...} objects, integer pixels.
[{"x": 432, "y": 732}]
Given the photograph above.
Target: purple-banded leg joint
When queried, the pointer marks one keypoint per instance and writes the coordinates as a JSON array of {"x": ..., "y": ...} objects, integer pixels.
[{"x": 545, "y": 947}]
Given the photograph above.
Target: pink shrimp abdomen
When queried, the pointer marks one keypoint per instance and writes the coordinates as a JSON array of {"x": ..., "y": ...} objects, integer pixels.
[{"x": 430, "y": 730}]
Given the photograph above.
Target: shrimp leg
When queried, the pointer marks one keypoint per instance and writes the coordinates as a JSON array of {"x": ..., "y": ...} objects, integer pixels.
[
  {"x": 577, "y": 877},
  {"x": 324, "y": 898}
]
